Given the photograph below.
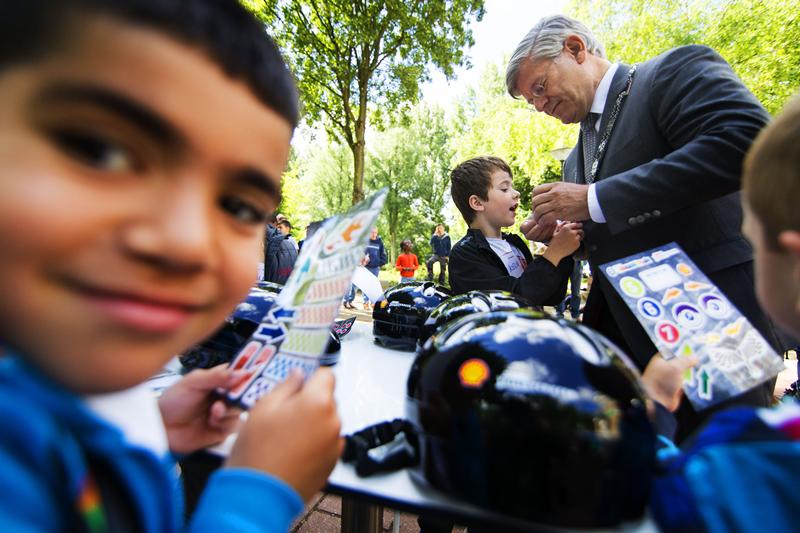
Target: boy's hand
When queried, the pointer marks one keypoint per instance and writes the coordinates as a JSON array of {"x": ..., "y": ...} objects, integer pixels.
[
  {"x": 663, "y": 379},
  {"x": 566, "y": 239},
  {"x": 193, "y": 418},
  {"x": 293, "y": 433}
]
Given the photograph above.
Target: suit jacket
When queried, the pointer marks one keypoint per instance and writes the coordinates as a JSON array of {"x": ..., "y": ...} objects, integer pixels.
[{"x": 672, "y": 172}]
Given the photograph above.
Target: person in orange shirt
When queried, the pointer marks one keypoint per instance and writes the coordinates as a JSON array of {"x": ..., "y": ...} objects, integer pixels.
[{"x": 407, "y": 262}]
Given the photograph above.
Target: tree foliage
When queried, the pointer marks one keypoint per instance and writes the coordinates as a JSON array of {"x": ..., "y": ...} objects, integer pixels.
[
  {"x": 760, "y": 39},
  {"x": 348, "y": 54}
]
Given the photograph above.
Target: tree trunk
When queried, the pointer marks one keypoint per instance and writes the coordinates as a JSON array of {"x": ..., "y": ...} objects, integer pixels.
[
  {"x": 361, "y": 128},
  {"x": 358, "y": 168}
]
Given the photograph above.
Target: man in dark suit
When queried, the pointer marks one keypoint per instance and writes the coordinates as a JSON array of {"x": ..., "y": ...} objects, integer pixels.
[{"x": 676, "y": 129}]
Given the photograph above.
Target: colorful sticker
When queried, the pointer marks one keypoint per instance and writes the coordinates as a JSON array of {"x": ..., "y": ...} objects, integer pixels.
[
  {"x": 704, "y": 385},
  {"x": 632, "y": 287},
  {"x": 688, "y": 316},
  {"x": 660, "y": 277},
  {"x": 667, "y": 332},
  {"x": 684, "y": 269},
  {"x": 694, "y": 286},
  {"x": 473, "y": 373},
  {"x": 650, "y": 308},
  {"x": 734, "y": 328},
  {"x": 715, "y": 306},
  {"x": 671, "y": 294}
]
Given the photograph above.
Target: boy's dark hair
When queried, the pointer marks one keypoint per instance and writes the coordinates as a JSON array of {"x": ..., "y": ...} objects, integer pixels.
[
  {"x": 474, "y": 176},
  {"x": 230, "y": 35},
  {"x": 406, "y": 246},
  {"x": 771, "y": 179},
  {"x": 285, "y": 223}
]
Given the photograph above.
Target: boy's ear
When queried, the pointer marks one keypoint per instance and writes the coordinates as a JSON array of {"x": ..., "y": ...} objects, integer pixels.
[
  {"x": 790, "y": 242},
  {"x": 475, "y": 203}
]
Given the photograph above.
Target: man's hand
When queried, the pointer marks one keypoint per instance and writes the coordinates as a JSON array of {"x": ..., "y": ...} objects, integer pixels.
[
  {"x": 559, "y": 201},
  {"x": 536, "y": 233},
  {"x": 293, "y": 433},
  {"x": 193, "y": 418}
]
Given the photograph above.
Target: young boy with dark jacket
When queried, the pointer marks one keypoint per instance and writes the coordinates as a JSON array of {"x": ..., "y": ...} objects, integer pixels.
[{"x": 486, "y": 258}]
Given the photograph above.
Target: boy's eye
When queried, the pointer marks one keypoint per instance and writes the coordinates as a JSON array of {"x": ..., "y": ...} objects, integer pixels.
[
  {"x": 95, "y": 150},
  {"x": 243, "y": 211}
]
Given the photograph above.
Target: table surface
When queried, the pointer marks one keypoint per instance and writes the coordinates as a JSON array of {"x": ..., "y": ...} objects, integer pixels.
[{"x": 370, "y": 388}]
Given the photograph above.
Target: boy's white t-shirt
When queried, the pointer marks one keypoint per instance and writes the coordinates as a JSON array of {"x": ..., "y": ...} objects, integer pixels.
[{"x": 510, "y": 255}]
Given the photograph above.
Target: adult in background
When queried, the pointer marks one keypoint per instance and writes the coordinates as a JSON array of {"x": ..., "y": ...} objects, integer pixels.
[
  {"x": 374, "y": 258},
  {"x": 440, "y": 247},
  {"x": 659, "y": 159}
]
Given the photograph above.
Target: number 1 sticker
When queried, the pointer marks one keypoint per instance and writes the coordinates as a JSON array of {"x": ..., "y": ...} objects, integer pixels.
[{"x": 668, "y": 332}]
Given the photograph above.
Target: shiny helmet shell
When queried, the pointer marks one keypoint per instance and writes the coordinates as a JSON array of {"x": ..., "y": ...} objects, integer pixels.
[
  {"x": 224, "y": 344},
  {"x": 536, "y": 418},
  {"x": 397, "y": 319},
  {"x": 467, "y": 303}
]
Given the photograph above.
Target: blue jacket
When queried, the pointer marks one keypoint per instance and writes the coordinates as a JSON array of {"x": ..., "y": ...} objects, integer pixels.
[
  {"x": 51, "y": 444},
  {"x": 377, "y": 253},
  {"x": 440, "y": 245},
  {"x": 739, "y": 474},
  {"x": 279, "y": 256}
]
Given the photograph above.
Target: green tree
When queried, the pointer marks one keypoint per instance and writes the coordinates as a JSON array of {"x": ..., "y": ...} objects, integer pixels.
[
  {"x": 760, "y": 39},
  {"x": 350, "y": 54}
]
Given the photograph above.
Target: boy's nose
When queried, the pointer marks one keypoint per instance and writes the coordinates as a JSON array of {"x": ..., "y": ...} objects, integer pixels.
[{"x": 175, "y": 232}]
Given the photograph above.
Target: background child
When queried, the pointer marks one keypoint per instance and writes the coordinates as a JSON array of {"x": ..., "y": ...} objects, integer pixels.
[
  {"x": 485, "y": 258},
  {"x": 407, "y": 262},
  {"x": 130, "y": 225},
  {"x": 737, "y": 473}
]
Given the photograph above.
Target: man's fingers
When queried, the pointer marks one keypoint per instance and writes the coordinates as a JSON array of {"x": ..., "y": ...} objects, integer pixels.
[{"x": 543, "y": 188}]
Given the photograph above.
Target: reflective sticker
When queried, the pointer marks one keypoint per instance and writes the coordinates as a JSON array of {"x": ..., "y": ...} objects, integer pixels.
[
  {"x": 670, "y": 295},
  {"x": 632, "y": 287},
  {"x": 704, "y": 388},
  {"x": 734, "y": 328},
  {"x": 684, "y": 269},
  {"x": 667, "y": 332},
  {"x": 650, "y": 308},
  {"x": 715, "y": 306},
  {"x": 473, "y": 373},
  {"x": 688, "y": 316},
  {"x": 694, "y": 286},
  {"x": 660, "y": 277}
]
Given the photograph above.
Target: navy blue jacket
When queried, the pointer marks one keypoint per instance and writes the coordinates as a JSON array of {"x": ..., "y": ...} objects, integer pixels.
[
  {"x": 377, "y": 253},
  {"x": 441, "y": 245}
]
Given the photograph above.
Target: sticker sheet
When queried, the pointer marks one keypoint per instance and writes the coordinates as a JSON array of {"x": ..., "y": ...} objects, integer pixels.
[
  {"x": 685, "y": 314},
  {"x": 296, "y": 330}
]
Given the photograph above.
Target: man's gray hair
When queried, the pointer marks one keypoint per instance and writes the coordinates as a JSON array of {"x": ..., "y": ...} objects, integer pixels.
[{"x": 545, "y": 41}]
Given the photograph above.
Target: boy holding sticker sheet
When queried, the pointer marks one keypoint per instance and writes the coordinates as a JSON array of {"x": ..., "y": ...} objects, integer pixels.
[
  {"x": 141, "y": 147},
  {"x": 488, "y": 259},
  {"x": 737, "y": 474}
]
